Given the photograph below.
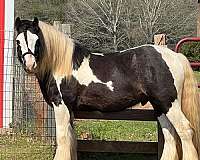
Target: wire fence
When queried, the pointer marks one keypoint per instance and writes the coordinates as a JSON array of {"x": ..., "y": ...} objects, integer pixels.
[{"x": 28, "y": 127}]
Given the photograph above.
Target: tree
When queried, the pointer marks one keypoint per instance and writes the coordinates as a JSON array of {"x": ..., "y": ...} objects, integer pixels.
[
  {"x": 99, "y": 20},
  {"x": 116, "y": 24},
  {"x": 126, "y": 23},
  {"x": 171, "y": 17},
  {"x": 46, "y": 10}
]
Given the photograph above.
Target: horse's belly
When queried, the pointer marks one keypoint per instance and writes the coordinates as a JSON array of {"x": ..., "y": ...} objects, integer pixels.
[
  {"x": 104, "y": 99},
  {"x": 104, "y": 104}
]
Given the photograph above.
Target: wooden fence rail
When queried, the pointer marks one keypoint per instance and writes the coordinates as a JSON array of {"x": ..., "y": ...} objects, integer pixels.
[{"x": 121, "y": 146}]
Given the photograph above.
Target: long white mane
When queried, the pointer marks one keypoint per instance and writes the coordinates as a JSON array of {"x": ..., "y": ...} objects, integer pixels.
[{"x": 58, "y": 51}]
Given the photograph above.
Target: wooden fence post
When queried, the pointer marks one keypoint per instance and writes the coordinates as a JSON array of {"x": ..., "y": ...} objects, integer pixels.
[
  {"x": 49, "y": 113},
  {"x": 160, "y": 39},
  {"x": 65, "y": 28},
  {"x": 160, "y": 141},
  {"x": 57, "y": 25}
]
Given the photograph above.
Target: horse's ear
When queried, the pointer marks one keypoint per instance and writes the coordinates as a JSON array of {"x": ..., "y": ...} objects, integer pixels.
[
  {"x": 35, "y": 21},
  {"x": 17, "y": 23}
]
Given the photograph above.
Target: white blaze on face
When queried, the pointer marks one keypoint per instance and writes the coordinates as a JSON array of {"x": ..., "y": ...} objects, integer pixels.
[
  {"x": 31, "y": 39},
  {"x": 23, "y": 45},
  {"x": 85, "y": 76}
]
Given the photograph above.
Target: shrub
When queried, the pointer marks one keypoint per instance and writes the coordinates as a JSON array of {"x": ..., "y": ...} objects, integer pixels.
[{"x": 191, "y": 50}]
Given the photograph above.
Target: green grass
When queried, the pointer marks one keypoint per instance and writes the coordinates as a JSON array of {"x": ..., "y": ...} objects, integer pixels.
[
  {"x": 118, "y": 130},
  {"x": 23, "y": 147}
]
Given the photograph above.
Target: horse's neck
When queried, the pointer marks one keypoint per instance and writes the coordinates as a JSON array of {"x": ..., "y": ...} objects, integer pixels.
[
  {"x": 78, "y": 56},
  {"x": 79, "y": 53},
  {"x": 44, "y": 82}
]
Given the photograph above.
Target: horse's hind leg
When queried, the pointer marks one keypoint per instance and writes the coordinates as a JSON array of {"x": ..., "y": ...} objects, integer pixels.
[
  {"x": 169, "y": 150},
  {"x": 183, "y": 129}
]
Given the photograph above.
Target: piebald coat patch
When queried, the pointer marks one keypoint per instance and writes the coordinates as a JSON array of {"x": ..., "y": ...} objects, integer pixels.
[
  {"x": 85, "y": 76},
  {"x": 171, "y": 60},
  {"x": 98, "y": 54},
  {"x": 58, "y": 80}
]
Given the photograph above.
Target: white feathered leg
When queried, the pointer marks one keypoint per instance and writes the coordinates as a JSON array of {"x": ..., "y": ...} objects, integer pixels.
[
  {"x": 183, "y": 129},
  {"x": 169, "y": 150},
  {"x": 65, "y": 138}
]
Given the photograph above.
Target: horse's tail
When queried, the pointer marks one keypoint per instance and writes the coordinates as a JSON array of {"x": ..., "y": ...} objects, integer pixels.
[{"x": 190, "y": 100}]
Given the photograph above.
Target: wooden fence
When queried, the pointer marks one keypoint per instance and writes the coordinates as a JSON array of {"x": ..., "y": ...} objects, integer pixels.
[{"x": 122, "y": 146}]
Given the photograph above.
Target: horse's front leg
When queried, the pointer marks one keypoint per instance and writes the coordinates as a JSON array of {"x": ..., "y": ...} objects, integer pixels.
[{"x": 65, "y": 138}]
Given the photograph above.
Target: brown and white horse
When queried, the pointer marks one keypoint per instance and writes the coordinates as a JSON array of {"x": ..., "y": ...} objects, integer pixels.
[{"x": 73, "y": 78}]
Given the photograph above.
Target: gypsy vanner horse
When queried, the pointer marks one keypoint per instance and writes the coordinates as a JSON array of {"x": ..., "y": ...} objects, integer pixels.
[{"x": 73, "y": 78}]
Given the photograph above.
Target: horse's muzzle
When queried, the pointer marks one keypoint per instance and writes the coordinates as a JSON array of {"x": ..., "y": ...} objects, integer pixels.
[{"x": 30, "y": 63}]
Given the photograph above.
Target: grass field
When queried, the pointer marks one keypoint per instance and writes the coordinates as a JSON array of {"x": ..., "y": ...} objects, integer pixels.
[
  {"x": 118, "y": 130},
  {"x": 23, "y": 147},
  {"x": 26, "y": 147}
]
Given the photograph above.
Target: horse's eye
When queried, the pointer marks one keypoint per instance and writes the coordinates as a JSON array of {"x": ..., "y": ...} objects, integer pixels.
[{"x": 18, "y": 42}]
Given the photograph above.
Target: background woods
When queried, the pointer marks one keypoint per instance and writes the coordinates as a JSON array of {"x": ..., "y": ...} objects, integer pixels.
[{"x": 107, "y": 25}]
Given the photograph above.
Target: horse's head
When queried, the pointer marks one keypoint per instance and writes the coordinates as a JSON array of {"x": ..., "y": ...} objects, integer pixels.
[{"x": 28, "y": 43}]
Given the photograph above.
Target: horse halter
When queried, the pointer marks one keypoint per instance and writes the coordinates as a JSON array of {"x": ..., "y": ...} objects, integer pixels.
[{"x": 23, "y": 55}]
